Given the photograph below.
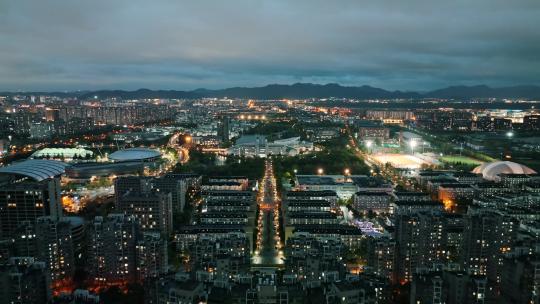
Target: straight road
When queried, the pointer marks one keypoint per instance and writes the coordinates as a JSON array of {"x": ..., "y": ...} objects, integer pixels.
[{"x": 268, "y": 245}]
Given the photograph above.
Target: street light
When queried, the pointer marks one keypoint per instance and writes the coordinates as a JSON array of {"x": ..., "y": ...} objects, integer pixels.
[
  {"x": 510, "y": 134},
  {"x": 320, "y": 171},
  {"x": 347, "y": 171}
]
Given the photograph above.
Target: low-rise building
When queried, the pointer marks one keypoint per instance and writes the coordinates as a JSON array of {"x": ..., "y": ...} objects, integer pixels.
[
  {"x": 227, "y": 195},
  {"x": 177, "y": 289},
  {"x": 414, "y": 206},
  {"x": 326, "y": 195},
  {"x": 342, "y": 185},
  {"x": 258, "y": 146},
  {"x": 371, "y": 130},
  {"x": 307, "y": 206},
  {"x": 351, "y": 293},
  {"x": 377, "y": 202},
  {"x": 490, "y": 188},
  {"x": 468, "y": 177},
  {"x": 515, "y": 180},
  {"x": 228, "y": 206},
  {"x": 310, "y": 218},
  {"x": 412, "y": 196},
  {"x": 372, "y": 184},
  {"x": 455, "y": 191},
  {"x": 223, "y": 218},
  {"x": 350, "y": 236}
]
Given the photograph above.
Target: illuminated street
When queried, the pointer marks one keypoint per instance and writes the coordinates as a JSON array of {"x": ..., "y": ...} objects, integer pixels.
[
  {"x": 268, "y": 245},
  {"x": 183, "y": 152}
]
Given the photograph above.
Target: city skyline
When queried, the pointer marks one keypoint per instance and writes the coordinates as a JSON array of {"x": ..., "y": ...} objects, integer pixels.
[
  {"x": 258, "y": 152},
  {"x": 195, "y": 200},
  {"x": 416, "y": 45}
]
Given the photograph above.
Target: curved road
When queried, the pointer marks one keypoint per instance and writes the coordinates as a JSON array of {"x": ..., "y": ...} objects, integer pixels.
[{"x": 183, "y": 152}]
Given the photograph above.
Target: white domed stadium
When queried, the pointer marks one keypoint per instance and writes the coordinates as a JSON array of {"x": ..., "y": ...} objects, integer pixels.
[
  {"x": 135, "y": 154},
  {"x": 491, "y": 171}
]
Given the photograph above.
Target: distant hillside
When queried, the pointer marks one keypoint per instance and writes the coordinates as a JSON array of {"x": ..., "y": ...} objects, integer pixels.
[
  {"x": 38, "y": 93},
  {"x": 140, "y": 94},
  {"x": 309, "y": 90},
  {"x": 463, "y": 92}
]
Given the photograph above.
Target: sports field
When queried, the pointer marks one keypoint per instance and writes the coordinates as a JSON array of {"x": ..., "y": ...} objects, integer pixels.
[
  {"x": 401, "y": 161},
  {"x": 456, "y": 159}
]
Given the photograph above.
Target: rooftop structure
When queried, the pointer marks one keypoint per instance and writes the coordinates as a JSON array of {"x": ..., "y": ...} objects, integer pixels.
[
  {"x": 38, "y": 170},
  {"x": 258, "y": 145},
  {"x": 87, "y": 170},
  {"x": 343, "y": 185}
]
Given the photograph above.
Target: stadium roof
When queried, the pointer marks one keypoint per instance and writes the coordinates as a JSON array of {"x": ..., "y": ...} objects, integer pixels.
[
  {"x": 134, "y": 154},
  {"x": 491, "y": 171},
  {"x": 36, "y": 169},
  {"x": 66, "y": 152}
]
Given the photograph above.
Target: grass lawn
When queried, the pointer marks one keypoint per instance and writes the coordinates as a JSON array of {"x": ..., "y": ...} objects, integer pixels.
[{"x": 456, "y": 159}]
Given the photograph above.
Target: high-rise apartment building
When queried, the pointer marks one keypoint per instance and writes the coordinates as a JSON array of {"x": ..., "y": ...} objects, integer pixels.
[
  {"x": 419, "y": 242},
  {"x": 488, "y": 237},
  {"x": 28, "y": 190},
  {"x": 55, "y": 248},
  {"x": 24, "y": 280},
  {"x": 152, "y": 209},
  {"x": 112, "y": 250},
  {"x": 151, "y": 255}
]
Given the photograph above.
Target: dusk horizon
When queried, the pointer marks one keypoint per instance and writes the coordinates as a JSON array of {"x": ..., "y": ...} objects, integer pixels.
[
  {"x": 417, "y": 46},
  {"x": 283, "y": 84}
]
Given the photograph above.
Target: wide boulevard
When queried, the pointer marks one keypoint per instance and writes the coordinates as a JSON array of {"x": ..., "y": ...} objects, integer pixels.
[{"x": 269, "y": 246}]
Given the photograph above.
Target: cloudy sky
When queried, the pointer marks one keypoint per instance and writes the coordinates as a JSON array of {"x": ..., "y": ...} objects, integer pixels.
[{"x": 176, "y": 44}]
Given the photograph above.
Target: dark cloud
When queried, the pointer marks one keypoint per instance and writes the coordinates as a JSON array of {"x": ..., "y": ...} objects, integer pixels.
[{"x": 414, "y": 44}]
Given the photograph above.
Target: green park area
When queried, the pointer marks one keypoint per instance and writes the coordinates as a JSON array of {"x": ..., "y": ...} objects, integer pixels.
[{"x": 460, "y": 159}]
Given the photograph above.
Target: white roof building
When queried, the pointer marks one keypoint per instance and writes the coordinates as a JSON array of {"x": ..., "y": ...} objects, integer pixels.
[{"x": 491, "y": 171}]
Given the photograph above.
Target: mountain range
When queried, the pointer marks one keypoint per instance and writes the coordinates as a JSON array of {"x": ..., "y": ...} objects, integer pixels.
[{"x": 309, "y": 90}]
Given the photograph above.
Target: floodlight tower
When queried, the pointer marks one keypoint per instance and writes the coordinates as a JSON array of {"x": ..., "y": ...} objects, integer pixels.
[
  {"x": 369, "y": 143},
  {"x": 413, "y": 144}
]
